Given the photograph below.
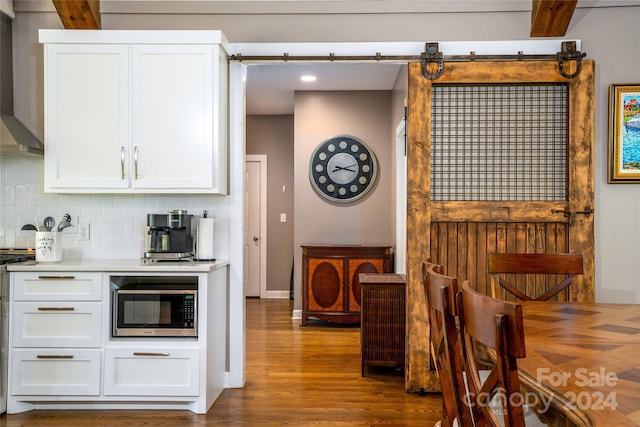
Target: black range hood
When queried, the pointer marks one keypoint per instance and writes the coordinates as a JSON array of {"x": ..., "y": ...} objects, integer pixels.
[{"x": 15, "y": 138}]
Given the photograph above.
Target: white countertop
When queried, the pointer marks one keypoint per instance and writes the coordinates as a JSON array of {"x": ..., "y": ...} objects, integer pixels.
[{"x": 108, "y": 265}]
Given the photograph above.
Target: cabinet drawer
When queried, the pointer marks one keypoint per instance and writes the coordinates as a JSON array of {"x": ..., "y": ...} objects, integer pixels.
[
  {"x": 56, "y": 286},
  {"x": 56, "y": 372},
  {"x": 152, "y": 371},
  {"x": 57, "y": 324}
]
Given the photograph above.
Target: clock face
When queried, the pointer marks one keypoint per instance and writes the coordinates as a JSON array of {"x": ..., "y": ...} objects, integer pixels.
[{"x": 343, "y": 169}]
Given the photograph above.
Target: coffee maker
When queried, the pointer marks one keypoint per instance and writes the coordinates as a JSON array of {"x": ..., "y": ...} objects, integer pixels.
[{"x": 169, "y": 236}]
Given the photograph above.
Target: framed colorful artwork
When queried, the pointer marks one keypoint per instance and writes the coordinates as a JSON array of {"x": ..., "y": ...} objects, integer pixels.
[{"x": 624, "y": 133}]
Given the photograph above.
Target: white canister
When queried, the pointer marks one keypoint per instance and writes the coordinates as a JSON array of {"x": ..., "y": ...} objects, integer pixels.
[{"x": 48, "y": 246}]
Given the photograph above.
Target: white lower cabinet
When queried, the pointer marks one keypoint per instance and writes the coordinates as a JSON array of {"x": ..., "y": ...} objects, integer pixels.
[
  {"x": 160, "y": 371},
  {"x": 55, "y": 372},
  {"x": 62, "y": 354},
  {"x": 56, "y": 334}
]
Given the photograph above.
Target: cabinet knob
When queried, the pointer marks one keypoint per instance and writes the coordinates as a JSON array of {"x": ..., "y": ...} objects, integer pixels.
[{"x": 255, "y": 238}]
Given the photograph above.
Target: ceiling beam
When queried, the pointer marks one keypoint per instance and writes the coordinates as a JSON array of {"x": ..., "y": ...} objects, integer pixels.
[
  {"x": 550, "y": 18},
  {"x": 79, "y": 14}
]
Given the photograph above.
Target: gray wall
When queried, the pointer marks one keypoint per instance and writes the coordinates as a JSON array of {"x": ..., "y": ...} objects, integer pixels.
[
  {"x": 322, "y": 115},
  {"x": 318, "y": 116},
  {"x": 609, "y": 35},
  {"x": 273, "y": 136}
]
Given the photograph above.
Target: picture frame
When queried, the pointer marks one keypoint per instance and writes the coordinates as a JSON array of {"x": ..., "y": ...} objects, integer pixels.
[{"x": 624, "y": 133}]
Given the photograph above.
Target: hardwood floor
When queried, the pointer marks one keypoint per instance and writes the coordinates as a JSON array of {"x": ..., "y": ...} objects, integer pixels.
[{"x": 295, "y": 375}]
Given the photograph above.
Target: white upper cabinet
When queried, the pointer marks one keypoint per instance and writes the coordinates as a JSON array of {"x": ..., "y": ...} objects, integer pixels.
[
  {"x": 172, "y": 120},
  {"x": 135, "y": 111},
  {"x": 86, "y": 116}
]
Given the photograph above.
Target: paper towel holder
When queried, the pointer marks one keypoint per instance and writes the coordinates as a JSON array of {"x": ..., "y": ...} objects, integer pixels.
[{"x": 204, "y": 238}]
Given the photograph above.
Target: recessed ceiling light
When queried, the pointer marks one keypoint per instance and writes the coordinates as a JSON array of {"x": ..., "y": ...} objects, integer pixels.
[{"x": 308, "y": 78}]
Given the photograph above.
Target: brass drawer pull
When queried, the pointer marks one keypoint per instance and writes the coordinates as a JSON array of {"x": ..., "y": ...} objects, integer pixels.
[
  {"x": 54, "y": 356},
  {"x": 57, "y": 277},
  {"x": 56, "y": 308},
  {"x": 143, "y": 353}
]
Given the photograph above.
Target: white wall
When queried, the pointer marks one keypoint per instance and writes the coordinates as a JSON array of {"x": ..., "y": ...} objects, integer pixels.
[
  {"x": 118, "y": 222},
  {"x": 617, "y": 216}
]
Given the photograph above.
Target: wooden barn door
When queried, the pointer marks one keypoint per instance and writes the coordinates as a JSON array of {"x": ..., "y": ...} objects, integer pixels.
[{"x": 481, "y": 177}]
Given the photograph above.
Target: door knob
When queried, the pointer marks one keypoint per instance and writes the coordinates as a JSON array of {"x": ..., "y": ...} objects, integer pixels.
[{"x": 255, "y": 238}]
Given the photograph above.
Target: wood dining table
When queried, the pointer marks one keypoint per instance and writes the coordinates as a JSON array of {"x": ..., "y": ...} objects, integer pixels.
[{"x": 585, "y": 360}]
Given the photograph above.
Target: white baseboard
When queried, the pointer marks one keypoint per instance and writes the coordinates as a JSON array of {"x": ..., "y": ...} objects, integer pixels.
[
  {"x": 277, "y": 294},
  {"x": 297, "y": 315}
]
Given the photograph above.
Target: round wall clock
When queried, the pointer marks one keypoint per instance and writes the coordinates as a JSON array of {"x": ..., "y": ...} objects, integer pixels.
[{"x": 343, "y": 169}]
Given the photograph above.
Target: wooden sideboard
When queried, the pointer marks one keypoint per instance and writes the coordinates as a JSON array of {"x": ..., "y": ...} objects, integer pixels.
[
  {"x": 382, "y": 326},
  {"x": 330, "y": 279}
]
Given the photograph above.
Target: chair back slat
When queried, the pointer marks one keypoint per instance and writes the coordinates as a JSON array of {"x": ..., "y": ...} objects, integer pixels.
[
  {"x": 556, "y": 269},
  {"x": 535, "y": 263}
]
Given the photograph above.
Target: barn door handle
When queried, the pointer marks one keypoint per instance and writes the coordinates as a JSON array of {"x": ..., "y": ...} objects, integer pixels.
[{"x": 588, "y": 210}]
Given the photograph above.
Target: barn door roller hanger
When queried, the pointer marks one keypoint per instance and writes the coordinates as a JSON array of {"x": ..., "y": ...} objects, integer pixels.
[{"x": 433, "y": 60}]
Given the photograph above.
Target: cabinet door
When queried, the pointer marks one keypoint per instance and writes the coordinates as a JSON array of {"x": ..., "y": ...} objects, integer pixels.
[
  {"x": 357, "y": 266},
  {"x": 144, "y": 371},
  {"x": 86, "y": 116},
  {"x": 55, "y": 372},
  {"x": 57, "y": 324},
  {"x": 325, "y": 285},
  {"x": 172, "y": 121}
]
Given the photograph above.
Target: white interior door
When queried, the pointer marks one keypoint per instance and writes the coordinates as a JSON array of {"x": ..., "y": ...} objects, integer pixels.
[{"x": 255, "y": 227}]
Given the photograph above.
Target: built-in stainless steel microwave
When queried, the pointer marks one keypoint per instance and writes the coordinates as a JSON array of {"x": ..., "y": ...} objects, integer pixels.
[{"x": 153, "y": 307}]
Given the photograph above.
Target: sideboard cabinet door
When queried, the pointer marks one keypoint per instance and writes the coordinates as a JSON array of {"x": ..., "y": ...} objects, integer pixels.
[{"x": 330, "y": 280}]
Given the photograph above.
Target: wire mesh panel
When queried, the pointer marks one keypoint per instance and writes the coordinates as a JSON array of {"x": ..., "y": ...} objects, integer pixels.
[{"x": 494, "y": 142}]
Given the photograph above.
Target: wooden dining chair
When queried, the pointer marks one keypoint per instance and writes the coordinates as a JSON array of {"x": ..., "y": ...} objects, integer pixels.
[
  {"x": 492, "y": 333},
  {"x": 532, "y": 277},
  {"x": 440, "y": 293}
]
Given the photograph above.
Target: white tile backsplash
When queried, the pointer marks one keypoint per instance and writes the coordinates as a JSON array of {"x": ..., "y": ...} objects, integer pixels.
[{"x": 118, "y": 221}]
